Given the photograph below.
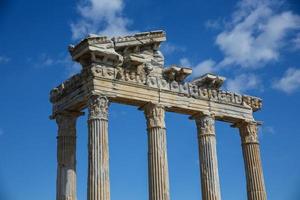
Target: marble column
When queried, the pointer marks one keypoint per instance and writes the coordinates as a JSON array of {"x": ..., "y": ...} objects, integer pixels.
[
  {"x": 66, "y": 156},
  {"x": 98, "y": 158},
  {"x": 158, "y": 175},
  {"x": 252, "y": 161},
  {"x": 210, "y": 185}
]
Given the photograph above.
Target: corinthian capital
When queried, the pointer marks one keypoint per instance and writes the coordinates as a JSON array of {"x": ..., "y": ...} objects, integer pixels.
[
  {"x": 98, "y": 107},
  {"x": 205, "y": 124},
  {"x": 155, "y": 115},
  {"x": 248, "y": 131}
]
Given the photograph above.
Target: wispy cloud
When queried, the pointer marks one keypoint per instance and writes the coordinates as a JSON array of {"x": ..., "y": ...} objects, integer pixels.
[
  {"x": 268, "y": 129},
  {"x": 169, "y": 48},
  {"x": 252, "y": 37},
  {"x": 73, "y": 68},
  {"x": 290, "y": 82},
  {"x": 4, "y": 59},
  {"x": 46, "y": 60},
  {"x": 296, "y": 41},
  {"x": 103, "y": 17},
  {"x": 203, "y": 67},
  {"x": 1, "y": 132},
  {"x": 185, "y": 62},
  {"x": 213, "y": 24},
  {"x": 256, "y": 33},
  {"x": 243, "y": 82}
]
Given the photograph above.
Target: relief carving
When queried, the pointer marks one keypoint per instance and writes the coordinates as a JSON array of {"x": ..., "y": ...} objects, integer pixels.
[
  {"x": 155, "y": 115},
  {"x": 98, "y": 107},
  {"x": 213, "y": 95},
  {"x": 203, "y": 93},
  {"x": 205, "y": 124},
  {"x": 120, "y": 73},
  {"x": 141, "y": 73},
  {"x": 141, "y": 63},
  {"x": 248, "y": 132}
]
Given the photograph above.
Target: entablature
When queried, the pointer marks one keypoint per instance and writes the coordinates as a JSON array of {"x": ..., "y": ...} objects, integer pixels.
[{"x": 131, "y": 70}]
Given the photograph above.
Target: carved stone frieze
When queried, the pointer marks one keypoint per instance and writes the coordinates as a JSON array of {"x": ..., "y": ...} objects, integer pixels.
[
  {"x": 174, "y": 86},
  {"x": 254, "y": 103},
  {"x": 139, "y": 76}
]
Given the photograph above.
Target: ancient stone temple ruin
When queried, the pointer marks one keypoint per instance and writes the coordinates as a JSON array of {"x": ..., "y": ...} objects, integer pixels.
[{"x": 130, "y": 70}]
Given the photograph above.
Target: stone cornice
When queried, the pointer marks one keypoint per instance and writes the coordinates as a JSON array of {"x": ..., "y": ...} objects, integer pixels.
[
  {"x": 140, "y": 39},
  {"x": 68, "y": 86}
]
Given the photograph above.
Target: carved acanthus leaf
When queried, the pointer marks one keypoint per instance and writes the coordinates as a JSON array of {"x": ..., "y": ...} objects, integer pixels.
[
  {"x": 205, "y": 124},
  {"x": 155, "y": 115},
  {"x": 248, "y": 132},
  {"x": 98, "y": 107}
]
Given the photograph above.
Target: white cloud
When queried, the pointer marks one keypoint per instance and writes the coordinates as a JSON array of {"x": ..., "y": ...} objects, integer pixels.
[
  {"x": 213, "y": 24},
  {"x": 268, "y": 129},
  {"x": 73, "y": 68},
  {"x": 296, "y": 42},
  {"x": 206, "y": 66},
  {"x": 290, "y": 82},
  {"x": 46, "y": 60},
  {"x": 243, "y": 82},
  {"x": 103, "y": 17},
  {"x": 256, "y": 34},
  {"x": 185, "y": 62},
  {"x": 63, "y": 60},
  {"x": 4, "y": 59},
  {"x": 169, "y": 48}
]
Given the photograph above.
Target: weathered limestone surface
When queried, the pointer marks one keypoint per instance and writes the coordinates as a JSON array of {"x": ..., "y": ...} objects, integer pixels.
[
  {"x": 253, "y": 167},
  {"x": 157, "y": 152},
  {"x": 130, "y": 70},
  {"x": 66, "y": 156},
  {"x": 98, "y": 166},
  {"x": 210, "y": 185}
]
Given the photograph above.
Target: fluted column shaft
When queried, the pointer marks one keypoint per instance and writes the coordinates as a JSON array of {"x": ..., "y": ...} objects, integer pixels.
[
  {"x": 66, "y": 156},
  {"x": 158, "y": 175},
  {"x": 253, "y": 167},
  {"x": 98, "y": 166},
  {"x": 210, "y": 185}
]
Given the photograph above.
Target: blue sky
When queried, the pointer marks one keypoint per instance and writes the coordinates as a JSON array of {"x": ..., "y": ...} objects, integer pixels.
[{"x": 255, "y": 44}]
